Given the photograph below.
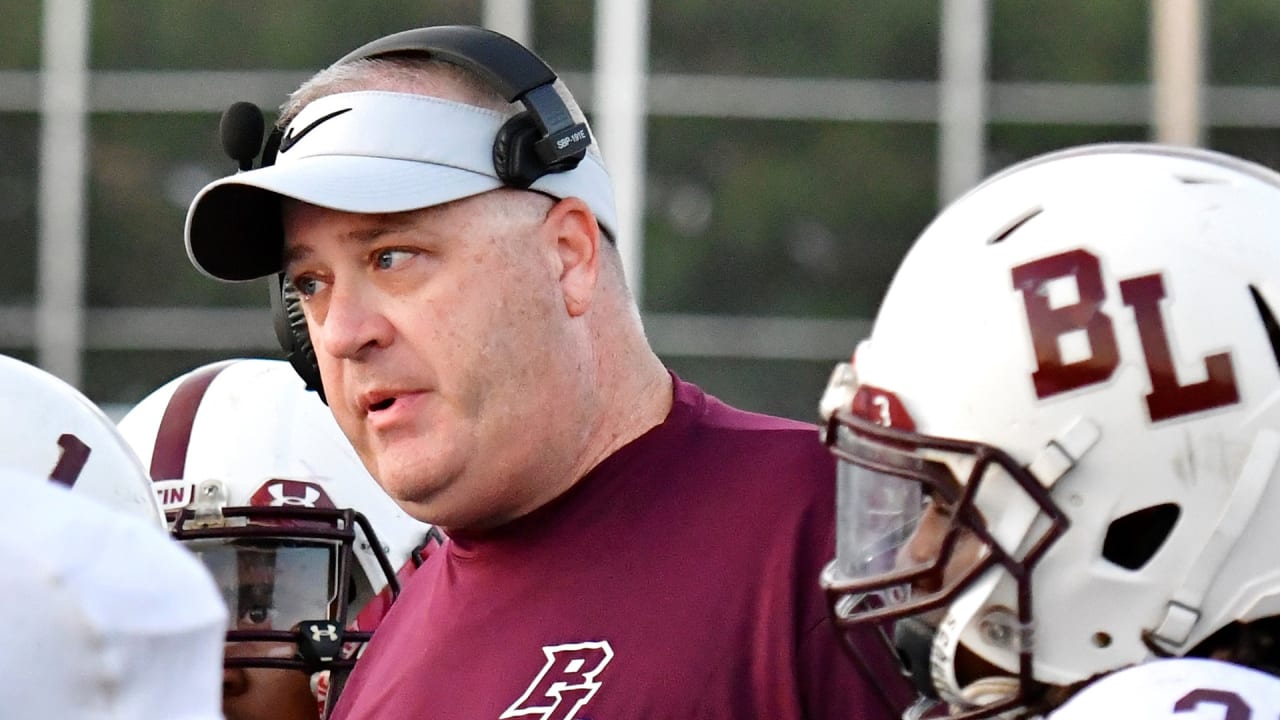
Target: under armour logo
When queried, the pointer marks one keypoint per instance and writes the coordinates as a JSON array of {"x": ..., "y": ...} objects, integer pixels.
[
  {"x": 278, "y": 497},
  {"x": 291, "y": 493},
  {"x": 567, "y": 682},
  {"x": 327, "y": 632},
  {"x": 318, "y": 643}
]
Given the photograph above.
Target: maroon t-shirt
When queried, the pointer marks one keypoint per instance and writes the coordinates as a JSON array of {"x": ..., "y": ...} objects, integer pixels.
[{"x": 678, "y": 580}]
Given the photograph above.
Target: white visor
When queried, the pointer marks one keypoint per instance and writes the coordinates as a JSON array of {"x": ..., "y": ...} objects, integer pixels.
[{"x": 365, "y": 152}]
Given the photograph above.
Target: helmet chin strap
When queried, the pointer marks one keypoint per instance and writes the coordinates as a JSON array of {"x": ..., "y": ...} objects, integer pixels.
[
  {"x": 913, "y": 639},
  {"x": 971, "y": 616},
  {"x": 930, "y": 655},
  {"x": 1183, "y": 610},
  {"x": 989, "y": 691},
  {"x": 944, "y": 647}
]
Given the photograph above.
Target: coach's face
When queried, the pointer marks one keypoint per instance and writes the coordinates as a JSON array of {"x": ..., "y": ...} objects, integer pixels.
[{"x": 444, "y": 345}]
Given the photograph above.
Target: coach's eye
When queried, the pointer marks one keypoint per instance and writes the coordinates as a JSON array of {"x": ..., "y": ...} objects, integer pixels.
[
  {"x": 307, "y": 285},
  {"x": 387, "y": 259}
]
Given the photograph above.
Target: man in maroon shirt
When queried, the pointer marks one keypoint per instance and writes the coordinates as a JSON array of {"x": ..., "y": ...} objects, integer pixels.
[{"x": 622, "y": 545}]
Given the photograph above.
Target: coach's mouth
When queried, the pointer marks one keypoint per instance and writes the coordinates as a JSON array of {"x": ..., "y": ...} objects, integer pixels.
[
  {"x": 380, "y": 400},
  {"x": 388, "y": 405}
]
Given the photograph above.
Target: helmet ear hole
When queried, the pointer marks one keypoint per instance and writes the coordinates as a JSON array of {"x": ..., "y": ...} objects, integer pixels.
[{"x": 1133, "y": 539}]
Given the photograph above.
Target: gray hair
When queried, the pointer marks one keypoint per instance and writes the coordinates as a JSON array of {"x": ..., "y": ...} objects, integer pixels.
[{"x": 416, "y": 74}]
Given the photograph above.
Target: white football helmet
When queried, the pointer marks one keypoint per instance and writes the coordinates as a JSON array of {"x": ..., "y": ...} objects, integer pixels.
[
  {"x": 1182, "y": 688},
  {"x": 51, "y": 430},
  {"x": 261, "y": 484},
  {"x": 1059, "y": 446}
]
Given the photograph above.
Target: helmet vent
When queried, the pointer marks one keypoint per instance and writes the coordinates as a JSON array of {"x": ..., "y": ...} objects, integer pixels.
[
  {"x": 1132, "y": 540},
  {"x": 1195, "y": 180},
  {"x": 1268, "y": 321},
  {"x": 1013, "y": 227}
]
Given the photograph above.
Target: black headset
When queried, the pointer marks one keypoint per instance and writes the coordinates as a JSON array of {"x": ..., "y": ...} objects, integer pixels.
[{"x": 542, "y": 139}]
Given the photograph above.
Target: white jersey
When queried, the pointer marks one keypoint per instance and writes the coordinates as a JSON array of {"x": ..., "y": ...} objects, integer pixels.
[{"x": 1177, "y": 689}]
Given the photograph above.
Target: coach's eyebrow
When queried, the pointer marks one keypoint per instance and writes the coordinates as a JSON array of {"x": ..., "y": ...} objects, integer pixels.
[
  {"x": 388, "y": 224},
  {"x": 292, "y": 254}
]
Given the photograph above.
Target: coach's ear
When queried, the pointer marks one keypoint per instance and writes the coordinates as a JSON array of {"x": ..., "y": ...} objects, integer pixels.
[{"x": 577, "y": 243}]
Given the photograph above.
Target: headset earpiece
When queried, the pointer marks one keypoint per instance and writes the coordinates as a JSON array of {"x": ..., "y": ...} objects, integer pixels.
[
  {"x": 514, "y": 158},
  {"x": 291, "y": 330},
  {"x": 544, "y": 138}
]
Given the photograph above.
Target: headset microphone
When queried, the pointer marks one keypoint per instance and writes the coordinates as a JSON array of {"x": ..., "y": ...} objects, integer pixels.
[{"x": 241, "y": 130}]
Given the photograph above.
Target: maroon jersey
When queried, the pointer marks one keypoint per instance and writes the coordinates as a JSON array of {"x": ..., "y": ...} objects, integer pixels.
[{"x": 677, "y": 580}]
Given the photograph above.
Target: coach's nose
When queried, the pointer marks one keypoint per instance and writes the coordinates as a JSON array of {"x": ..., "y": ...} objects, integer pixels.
[{"x": 352, "y": 322}]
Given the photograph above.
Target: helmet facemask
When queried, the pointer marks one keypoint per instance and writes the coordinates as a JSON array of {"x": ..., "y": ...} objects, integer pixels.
[
  {"x": 289, "y": 577},
  {"x": 938, "y": 537}
]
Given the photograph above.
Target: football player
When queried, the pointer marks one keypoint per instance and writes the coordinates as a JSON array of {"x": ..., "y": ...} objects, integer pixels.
[
  {"x": 50, "y": 430},
  {"x": 108, "y": 617},
  {"x": 259, "y": 482},
  {"x": 112, "y": 619},
  {"x": 1059, "y": 445}
]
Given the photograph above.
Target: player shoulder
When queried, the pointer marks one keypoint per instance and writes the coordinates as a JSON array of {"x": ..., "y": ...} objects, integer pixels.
[{"x": 723, "y": 416}]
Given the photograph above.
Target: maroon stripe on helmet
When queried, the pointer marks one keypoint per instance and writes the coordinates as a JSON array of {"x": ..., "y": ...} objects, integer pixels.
[{"x": 169, "y": 456}]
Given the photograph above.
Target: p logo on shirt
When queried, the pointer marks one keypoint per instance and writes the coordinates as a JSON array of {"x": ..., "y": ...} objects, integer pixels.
[{"x": 566, "y": 683}]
